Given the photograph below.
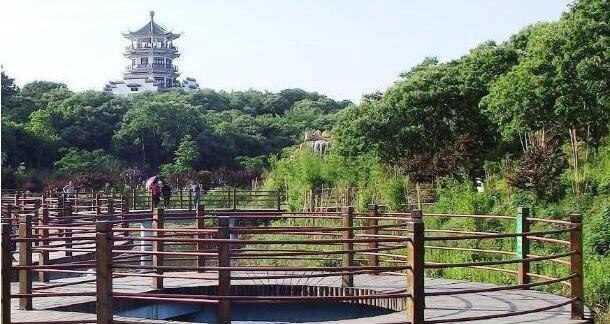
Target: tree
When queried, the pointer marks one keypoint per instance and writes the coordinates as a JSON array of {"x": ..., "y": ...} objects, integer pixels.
[
  {"x": 20, "y": 145},
  {"x": 354, "y": 125},
  {"x": 187, "y": 154},
  {"x": 561, "y": 82},
  {"x": 81, "y": 161},
  {"x": 87, "y": 120},
  {"x": 540, "y": 168},
  {"x": 209, "y": 99},
  {"x": 185, "y": 158},
  {"x": 155, "y": 125},
  {"x": 37, "y": 89},
  {"x": 9, "y": 88},
  {"x": 432, "y": 111}
]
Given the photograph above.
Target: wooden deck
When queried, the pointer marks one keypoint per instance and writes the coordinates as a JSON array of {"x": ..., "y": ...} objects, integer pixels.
[
  {"x": 310, "y": 292},
  {"x": 441, "y": 309}
]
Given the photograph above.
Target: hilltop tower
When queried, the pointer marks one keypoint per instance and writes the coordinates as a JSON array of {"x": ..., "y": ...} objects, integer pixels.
[{"x": 151, "y": 55}]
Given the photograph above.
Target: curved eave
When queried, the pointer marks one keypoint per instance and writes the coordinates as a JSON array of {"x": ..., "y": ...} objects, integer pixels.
[
  {"x": 147, "y": 72},
  {"x": 169, "y": 35},
  {"x": 139, "y": 54}
]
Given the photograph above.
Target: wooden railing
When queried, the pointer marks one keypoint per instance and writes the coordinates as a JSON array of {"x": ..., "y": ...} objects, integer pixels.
[
  {"x": 264, "y": 245},
  {"x": 230, "y": 198}
]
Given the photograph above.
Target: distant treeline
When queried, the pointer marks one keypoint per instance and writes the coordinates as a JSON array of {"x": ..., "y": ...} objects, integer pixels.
[{"x": 48, "y": 129}]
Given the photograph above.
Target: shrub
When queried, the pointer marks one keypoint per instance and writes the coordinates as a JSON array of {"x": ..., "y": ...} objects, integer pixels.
[
  {"x": 597, "y": 283},
  {"x": 75, "y": 160},
  {"x": 540, "y": 170},
  {"x": 32, "y": 186},
  {"x": 93, "y": 180},
  {"x": 455, "y": 196},
  {"x": 597, "y": 239}
]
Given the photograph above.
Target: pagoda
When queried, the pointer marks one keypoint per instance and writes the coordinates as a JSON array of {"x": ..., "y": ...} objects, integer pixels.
[{"x": 151, "y": 55}]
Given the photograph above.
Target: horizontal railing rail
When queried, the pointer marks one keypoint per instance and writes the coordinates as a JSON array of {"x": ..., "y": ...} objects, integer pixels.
[{"x": 99, "y": 236}]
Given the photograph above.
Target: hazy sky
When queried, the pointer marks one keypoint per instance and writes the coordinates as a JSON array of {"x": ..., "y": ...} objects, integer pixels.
[{"x": 339, "y": 48}]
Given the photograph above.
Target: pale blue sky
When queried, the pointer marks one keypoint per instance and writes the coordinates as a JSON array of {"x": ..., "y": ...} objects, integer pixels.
[{"x": 339, "y": 48}]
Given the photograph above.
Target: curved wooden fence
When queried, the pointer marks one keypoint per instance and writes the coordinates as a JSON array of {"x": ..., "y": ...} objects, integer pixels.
[{"x": 58, "y": 236}]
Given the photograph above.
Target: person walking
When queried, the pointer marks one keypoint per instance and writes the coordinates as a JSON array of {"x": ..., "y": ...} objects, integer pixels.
[
  {"x": 166, "y": 193},
  {"x": 155, "y": 193},
  {"x": 196, "y": 188},
  {"x": 69, "y": 190}
]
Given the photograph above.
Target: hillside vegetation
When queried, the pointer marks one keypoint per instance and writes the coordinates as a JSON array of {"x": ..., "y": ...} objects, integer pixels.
[
  {"x": 528, "y": 116},
  {"x": 50, "y": 132}
]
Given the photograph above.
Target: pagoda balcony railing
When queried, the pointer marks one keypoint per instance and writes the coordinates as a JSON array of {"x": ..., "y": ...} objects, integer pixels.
[
  {"x": 149, "y": 46},
  {"x": 156, "y": 66}
]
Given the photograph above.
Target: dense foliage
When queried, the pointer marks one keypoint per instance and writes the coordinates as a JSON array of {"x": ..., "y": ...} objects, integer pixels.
[
  {"x": 49, "y": 130},
  {"x": 529, "y": 116},
  {"x": 440, "y": 118}
]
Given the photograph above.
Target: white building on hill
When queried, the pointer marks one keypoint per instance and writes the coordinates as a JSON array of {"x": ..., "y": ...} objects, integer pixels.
[{"x": 151, "y": 55}]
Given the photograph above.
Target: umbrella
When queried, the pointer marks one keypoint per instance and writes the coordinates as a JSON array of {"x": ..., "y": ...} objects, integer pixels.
[{"x": 150, "y": 181}]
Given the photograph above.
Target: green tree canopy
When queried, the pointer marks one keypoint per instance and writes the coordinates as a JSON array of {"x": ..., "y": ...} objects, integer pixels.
[{"x": 79, "y": 161}]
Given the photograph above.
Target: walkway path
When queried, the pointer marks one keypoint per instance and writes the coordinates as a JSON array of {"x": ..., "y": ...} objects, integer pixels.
[{"x": 441, "y": 308}]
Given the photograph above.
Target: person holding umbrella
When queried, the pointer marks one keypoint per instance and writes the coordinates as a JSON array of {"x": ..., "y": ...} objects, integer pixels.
[{"x": 154, "y": 189}]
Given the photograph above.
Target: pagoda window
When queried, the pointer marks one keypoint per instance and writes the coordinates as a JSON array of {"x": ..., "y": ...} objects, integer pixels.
[
  {"x": 145, "y": 43},
  {"x": 144, "y": 60},
  {"x": 168, "y": 62},
  {"x": 133, "y": 62}
]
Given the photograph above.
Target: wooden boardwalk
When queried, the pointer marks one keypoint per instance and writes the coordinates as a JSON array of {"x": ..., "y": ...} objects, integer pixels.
[
  {"x": 365, "y": 250},
  {"x": 438, "y": 309}
]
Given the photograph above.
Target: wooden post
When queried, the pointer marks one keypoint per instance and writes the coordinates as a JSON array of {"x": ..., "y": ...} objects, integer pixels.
[
  {"x": 68, "y": 232},
  {"x": 110, "y": 207},
  {"x": 43, "y": 220},
  {"x": 279, "y": 200},
  {"x": 228, "y": 197},
  {"x": 151, "y": 204},
  {"x": 103, "y": 267},
  {"x": 181, "y": 198},
  {"x": 224, "y": 273},
  {"x": 576, "y": 267},
  {"x": 234, "y": 198},
  {"x": 9, "y": 212},
  {"x": 415, "y": 274},
  {"x": 418, "y": 195},
  {"x": 124, "y": 212},
  {"x": 42, "y": 202},
  {"x": 97, "y": 207},
  {"x": 190, "y": 199},
  {"x": 61, "y": 212},
  {"x": 133, "y": 198},
  {"x": 157, "y": 246},
  {"x": 6, "y": 272},
  {"x": 347, "y": 280},
  {"x": 37, "y": 232},
  {"x": 522, "y": 247},
  {"x": 373, "y": 257},
  {"x": 17, "y": 200},
  {"x": 25, "y": 260},
  {"x": 201, "y": 246}
]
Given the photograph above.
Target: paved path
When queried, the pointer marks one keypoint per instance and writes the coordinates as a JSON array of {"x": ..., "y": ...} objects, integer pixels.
[{"x": 441, "y": 308}]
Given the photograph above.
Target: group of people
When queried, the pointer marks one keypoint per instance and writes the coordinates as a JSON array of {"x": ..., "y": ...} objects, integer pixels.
[{"x": 161, "y": 189}]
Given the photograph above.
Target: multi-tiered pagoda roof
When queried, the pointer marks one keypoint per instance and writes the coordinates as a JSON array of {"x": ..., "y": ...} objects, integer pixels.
[{"x": 151, "y": 29}]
